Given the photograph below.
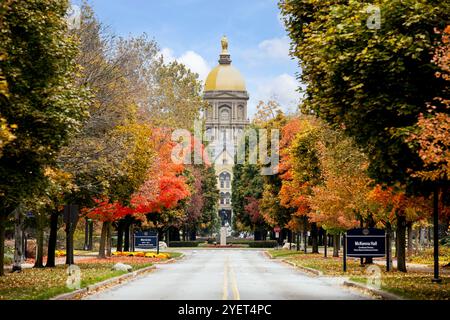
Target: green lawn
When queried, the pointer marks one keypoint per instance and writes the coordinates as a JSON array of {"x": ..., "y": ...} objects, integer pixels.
[
  {"x": 411, "y": 285},
  {"x": 39, "y": 284},
  {"x": 282, "y": 253}
]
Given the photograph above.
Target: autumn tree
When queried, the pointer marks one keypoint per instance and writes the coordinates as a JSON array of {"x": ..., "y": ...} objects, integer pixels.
[
  {"x": 339, "y": 203},
  {"x": 300, "y": 170}
]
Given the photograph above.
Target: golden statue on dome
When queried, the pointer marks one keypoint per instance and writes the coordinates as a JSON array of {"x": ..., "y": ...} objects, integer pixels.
[{"x": 224, "y": 42}]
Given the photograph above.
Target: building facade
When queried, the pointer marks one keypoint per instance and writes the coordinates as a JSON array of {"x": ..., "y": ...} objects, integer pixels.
[{"x": 225, "y": 122}]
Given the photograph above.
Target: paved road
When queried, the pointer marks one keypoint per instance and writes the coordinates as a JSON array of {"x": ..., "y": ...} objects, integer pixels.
[{"x": 226, "y": 275}]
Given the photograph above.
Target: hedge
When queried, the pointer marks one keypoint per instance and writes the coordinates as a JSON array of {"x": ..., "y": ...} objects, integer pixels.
[
  {"x": 263, "y": 244},
  {"x": 183, "y": 244}
]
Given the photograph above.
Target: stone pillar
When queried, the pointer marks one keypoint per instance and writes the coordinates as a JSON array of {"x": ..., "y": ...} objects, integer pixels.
[{"x": 223, "y": 236}]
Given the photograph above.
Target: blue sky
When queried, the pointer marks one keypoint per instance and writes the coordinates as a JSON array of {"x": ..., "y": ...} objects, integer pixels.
[{"x": 190, "y": 32}]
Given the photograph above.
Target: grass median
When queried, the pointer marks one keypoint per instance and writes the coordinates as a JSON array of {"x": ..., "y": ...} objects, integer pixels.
[{"x": 410, "y": 285}]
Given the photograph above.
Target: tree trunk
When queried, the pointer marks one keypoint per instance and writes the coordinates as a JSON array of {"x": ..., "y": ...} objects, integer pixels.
[
  {"x": 52, "y": 239},
  {"x": 18, "y": 240},
  {"x": 325, "y": 243},
  {"x": 305, "y": 241},
  {"x": 91, "y": 235},
  {"x": 2, "y": 243},
  {"x": 305, "y": 234},
  {"x": 193, "y": 234},
  {"x": 401, "y": 243},
  {"x": 395, "y": 243},
  {"x": 109, "y": 240},
  {"x": 410, "y": 239},
  {"x": 389, "y": 244},
  {"x": 126, "y": 243},
  {"x": 422, "y": 238},
  {"x": 120, "y": 236},
  {"x": 132, "y": 236},
  {"x": 101, "y": 251},
  {"x": 86, "y": 234},
  {"x": 71, "y": 225},
  {"x": 336, "y": 245},
  {"x": 39, "y": 263},
  {"x": 25, "y": 245},
  {"x": 314, "y": 238},
  {"x": 174, "y": 234}
]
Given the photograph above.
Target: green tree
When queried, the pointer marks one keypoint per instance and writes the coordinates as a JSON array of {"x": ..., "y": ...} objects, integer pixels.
[
  {"x": 370, "y": 81},
  {"x": 44, "y": 101},
  {"x": 247, "y": 186}
]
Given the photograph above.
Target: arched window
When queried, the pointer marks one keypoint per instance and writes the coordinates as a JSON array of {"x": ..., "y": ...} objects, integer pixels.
[
  {"x": 222, "y": 198},
  {"x": 225, "y": 180}
]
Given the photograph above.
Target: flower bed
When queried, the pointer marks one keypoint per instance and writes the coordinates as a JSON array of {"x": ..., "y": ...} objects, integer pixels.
[
  {"x": 60, "y": 253},
  {"x": 142, "y": 254}
]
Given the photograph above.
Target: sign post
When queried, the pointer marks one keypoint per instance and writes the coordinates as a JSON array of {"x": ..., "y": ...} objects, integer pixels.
[
  {"x": 388, "y": 256},
  {"x": 277, "y": 230},
  {"x": 365, "y": 242},
  {"x": 146, "y": 239},
  {"x": 344, "y": 265}
]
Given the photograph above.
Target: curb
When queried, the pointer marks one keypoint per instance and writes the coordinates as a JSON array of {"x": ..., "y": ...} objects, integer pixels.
[
  {"x": 383, "y": 294},
  {"x": 172, "y": 259},
  {"x": 74, "y": 295},
  {"x": 304, "y": 269}
]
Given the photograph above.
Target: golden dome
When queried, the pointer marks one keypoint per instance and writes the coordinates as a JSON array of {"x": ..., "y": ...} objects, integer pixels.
[{"x": 225, "y": 77}]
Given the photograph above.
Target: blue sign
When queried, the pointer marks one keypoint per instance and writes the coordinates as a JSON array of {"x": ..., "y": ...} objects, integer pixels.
[
  {"x": 146, "y": 239},
  {"x": 367, "y": 242}
]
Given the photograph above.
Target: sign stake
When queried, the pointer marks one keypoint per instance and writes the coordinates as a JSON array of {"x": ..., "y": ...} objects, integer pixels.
[{"x": 345, "y": 253}]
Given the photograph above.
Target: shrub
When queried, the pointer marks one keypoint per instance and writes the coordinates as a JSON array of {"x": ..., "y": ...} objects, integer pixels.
[
  {"x": 263, "y": 244},
  {"x": 183, "y": 244}
]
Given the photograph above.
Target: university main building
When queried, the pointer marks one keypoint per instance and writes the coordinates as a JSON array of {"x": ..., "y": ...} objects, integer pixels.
[{"x": 225, "y": 122}]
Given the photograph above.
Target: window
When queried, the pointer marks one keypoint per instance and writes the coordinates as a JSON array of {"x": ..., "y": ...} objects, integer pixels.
[
  {"x": 222, "y": 198},
  {"x": 227, "y": 198},
  {"x": 225, "y": 180}
]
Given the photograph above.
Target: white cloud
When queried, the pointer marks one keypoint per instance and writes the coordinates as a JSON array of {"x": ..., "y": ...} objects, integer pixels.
[
  {"x": 168, "y": 55},
  {"x": 282, "y": 88},
  {"x": 195, "y": 62},
  {"x": 277, "y": 48}
]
